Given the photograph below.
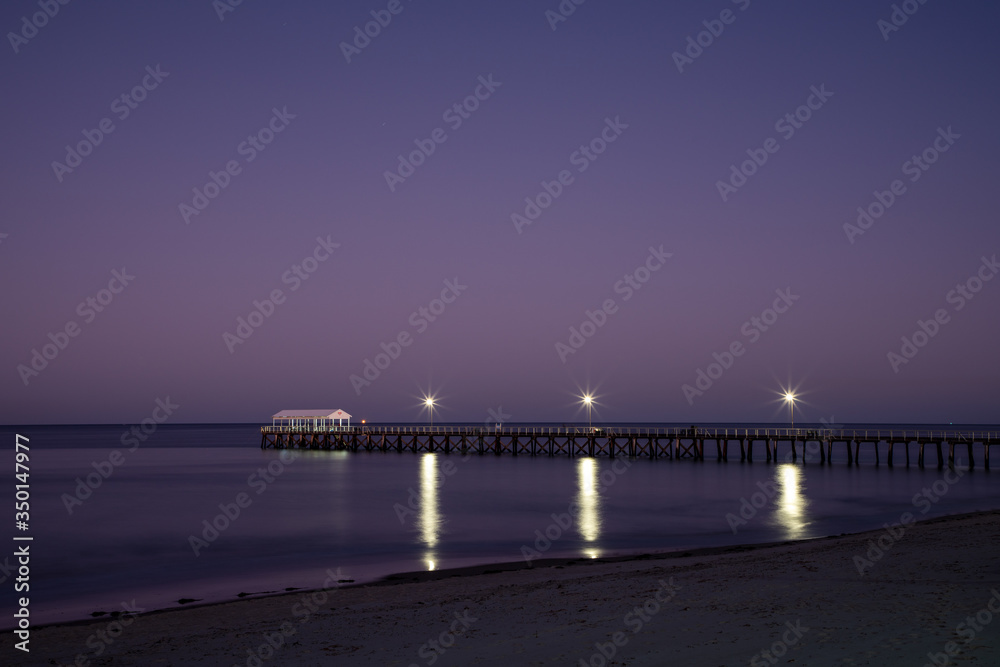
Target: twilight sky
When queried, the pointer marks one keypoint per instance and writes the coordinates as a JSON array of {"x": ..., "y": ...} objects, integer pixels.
[{"x": 588, "y": 167}]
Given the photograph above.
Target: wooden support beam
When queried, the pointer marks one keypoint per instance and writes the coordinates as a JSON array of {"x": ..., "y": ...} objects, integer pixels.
[{"x": 630, "y": 442}]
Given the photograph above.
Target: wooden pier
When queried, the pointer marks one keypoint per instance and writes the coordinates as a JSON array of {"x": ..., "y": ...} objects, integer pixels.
[{"x": 636, "y": 442}]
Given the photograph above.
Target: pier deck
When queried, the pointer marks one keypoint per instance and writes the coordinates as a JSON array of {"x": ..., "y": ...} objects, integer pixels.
[{"x": 640, "y": 442}]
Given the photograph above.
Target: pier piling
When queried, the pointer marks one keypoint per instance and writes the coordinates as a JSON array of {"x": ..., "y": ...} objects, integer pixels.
[{"x": 633, "y": 442}]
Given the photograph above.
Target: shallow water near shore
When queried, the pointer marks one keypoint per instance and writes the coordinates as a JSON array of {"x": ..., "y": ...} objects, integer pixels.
[{"x": 153, "y": 531}]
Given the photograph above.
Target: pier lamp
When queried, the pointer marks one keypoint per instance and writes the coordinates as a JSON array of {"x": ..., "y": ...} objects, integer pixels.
[
  {"x": 588, "y": 400},
  {"x": 790, "y": 399},
  {"x": 429, "y": 402}
]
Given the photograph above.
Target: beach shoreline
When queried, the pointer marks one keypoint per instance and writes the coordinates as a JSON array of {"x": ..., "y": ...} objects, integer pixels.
[{"x": 406, "y": 611}]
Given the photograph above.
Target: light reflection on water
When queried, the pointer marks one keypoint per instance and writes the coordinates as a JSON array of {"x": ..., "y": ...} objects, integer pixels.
[
  {"x": 430, "y": 518},
  {"x": 791, "y": 504},
  {"x": 588, "y": 501}
]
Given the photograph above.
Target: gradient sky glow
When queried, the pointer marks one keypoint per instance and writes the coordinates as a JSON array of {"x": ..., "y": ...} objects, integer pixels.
[{"x": 495, "y": 344}]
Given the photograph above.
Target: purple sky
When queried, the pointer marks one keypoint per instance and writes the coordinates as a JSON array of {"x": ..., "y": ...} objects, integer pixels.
[{"x": 343, "y": 126}]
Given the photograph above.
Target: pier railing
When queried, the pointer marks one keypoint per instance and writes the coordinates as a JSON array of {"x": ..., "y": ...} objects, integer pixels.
[{"x": 709, "y": 433}]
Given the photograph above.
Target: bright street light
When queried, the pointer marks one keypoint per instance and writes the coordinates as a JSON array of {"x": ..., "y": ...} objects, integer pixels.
[{"x": 588, "y": 400}]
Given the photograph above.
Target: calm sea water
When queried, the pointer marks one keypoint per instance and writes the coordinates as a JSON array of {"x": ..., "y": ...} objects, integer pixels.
[{"x": 365, "y": 515}]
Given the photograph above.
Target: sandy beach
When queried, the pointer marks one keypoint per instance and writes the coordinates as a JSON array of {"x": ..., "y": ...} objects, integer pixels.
[{"x": 805, "y": 603}]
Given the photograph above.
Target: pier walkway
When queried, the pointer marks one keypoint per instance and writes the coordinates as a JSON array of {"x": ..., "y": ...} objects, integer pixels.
[{"x": 640, "y": 442}]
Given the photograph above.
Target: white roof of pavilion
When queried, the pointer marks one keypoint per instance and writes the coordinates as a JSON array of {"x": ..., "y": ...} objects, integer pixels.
[{"x": 311, "y": 414}]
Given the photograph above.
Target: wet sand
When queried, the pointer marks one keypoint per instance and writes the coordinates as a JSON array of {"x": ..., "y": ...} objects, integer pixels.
[{"x": 803, "y": 603}]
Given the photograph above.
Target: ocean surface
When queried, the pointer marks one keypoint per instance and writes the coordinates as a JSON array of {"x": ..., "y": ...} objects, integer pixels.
[{"x": 162, "y": 524}]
